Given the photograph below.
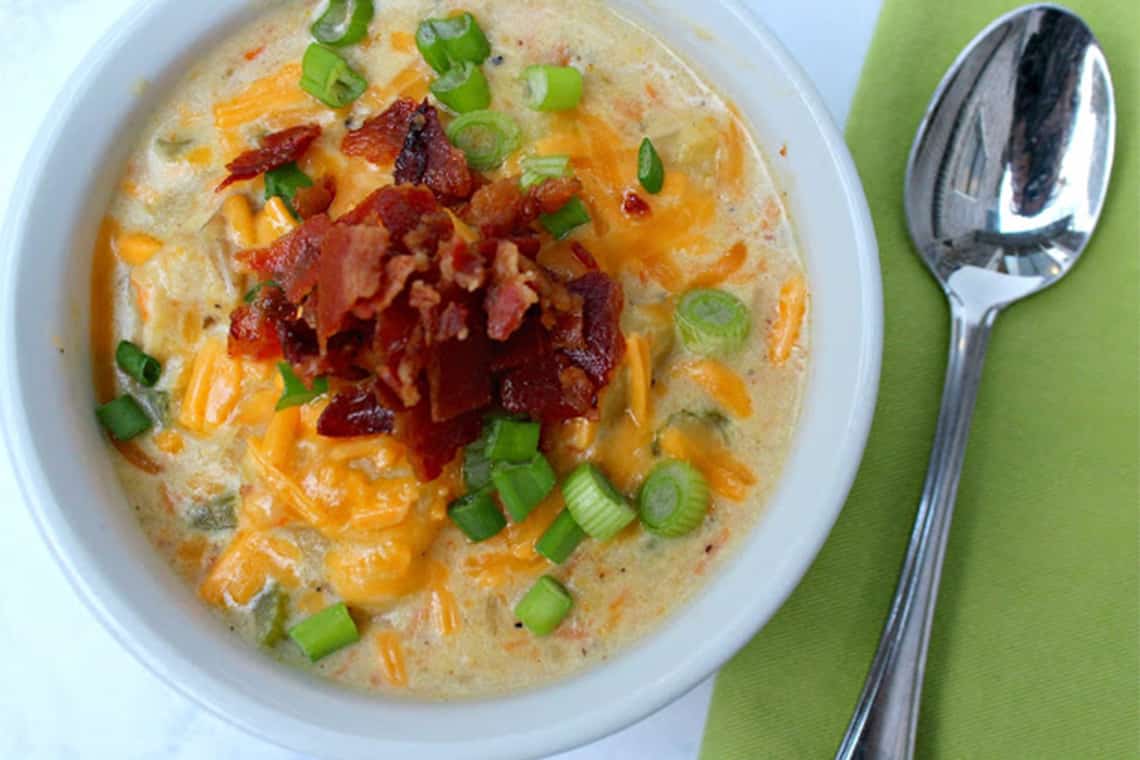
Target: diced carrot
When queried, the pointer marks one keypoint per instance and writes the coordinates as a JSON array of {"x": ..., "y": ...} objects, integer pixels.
[
  {"x": 137, "y": 457},
  {"x": 725, "y": 386},
  {"x": 253, "y": 53},
  {"x": 142, "y": 298},
  {"x": 785, "y": 330}
]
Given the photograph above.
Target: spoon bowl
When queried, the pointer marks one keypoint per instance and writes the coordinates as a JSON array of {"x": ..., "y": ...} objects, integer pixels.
[
  {"x": 1006, "y": 182},
  {"x": 1011, "y": 165}
]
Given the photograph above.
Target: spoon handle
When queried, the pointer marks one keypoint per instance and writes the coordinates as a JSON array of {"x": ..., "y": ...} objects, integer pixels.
[{"x": 884, "y": 723}]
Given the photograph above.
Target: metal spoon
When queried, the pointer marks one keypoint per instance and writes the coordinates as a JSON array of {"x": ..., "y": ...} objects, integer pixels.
[{"x": 1006, "y": 182}]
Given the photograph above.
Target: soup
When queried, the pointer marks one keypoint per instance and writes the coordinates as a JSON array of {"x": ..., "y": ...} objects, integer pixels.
[{"x": 453, "y": 353}]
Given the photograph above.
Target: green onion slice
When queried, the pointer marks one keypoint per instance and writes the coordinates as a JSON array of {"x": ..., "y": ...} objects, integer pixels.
[
  {"x": 477, "y": 515},
  {"x": 463, "y": 89},
  {"x": 552, "y": 88},
  {"x": 124, "y": 418},
  {"x": 284, "y": 182},
  {"x": 338, "y": 28},
  {"x": 522, "y": 487},
  {"x": 545, "y": 606},
  {"x": 538, "y": 169},
  {"x": 270, "y": 611},
  {"x": 215, "y": 514},
  {"x": 650, "y": 170},
  {"x": 674, "y": 498},
  {"x": 561, "y": 538},
  {"x": 322, "y": 634},
  {"x": 712, "y": 321},
  {"x": 137, "y": 363},
  {"x": 512, "y": 440},
  {"x": 476, "y": 465},
  {"x": 596, "y": 505},
  {"x": 566, "y": 219},
  {"x": 447, "y": 41},
  {"x": 486, "y": 137},
  {"x": 328, "y": 77},
  {"x": 251, "y": 294},
  {"x": 296, "y": 392}
]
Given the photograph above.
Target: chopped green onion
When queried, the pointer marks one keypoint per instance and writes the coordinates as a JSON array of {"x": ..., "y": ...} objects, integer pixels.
[
  {"x": 650, "y": 170},
  {"x": 674, "y": 498},
  {"x": 270, "y": 612},
  {"x": 123, "y": 418},
  {"x": 512, "y": 440},
  {"x": 486, "y": 137},
  {"x": 337, "y": 28},
  {"x": 545, "y": 606},
  {"x": 538, "y": 169},
  {"x": 252, "y": 293},
  {"x": 296, "y": 393},
  {"x": 712, "y": 321},
  {"x": 476, "y": 465},
  {"x": 596, "y": 505},
  {"x": 284, "y": 182},
  {"x": 561, "y": 538},
  {"x": 137, "y": 363},
  {"x": 322, "y": 634},
  {"x": 328, "y": 77},
  {"x": 553, "y": 88},
  {"x": 477, "y": 515},
  {"x": 463, "y": 89},
  {"x": 447, "y": 41},
  {"x": 216, "y": 514},
  {"x": 157, "y": 405},
  {"x": 522, "y": 487},
  {"x": 566, "y": 219}
]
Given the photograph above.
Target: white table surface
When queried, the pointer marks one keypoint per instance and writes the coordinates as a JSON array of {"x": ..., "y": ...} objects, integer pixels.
[{"x": 67, "y": 690}]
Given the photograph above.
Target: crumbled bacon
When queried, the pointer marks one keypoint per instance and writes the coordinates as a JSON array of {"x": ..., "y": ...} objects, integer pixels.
[
  {"x": 634, "y": 205},
  {"x": 292, "y": 260},
  {"x": 355, "y": 412},
  {"x": 430, "y": 327},
  {"x": 310, "y": 201},
  {"x": 276, "y": 150},
  {"x": 583, "y": 255},
  {"x": 380, "y": 139}
]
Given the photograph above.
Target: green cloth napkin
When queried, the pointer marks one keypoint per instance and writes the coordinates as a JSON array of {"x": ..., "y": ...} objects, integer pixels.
[{"x": 1035, "y": 649}]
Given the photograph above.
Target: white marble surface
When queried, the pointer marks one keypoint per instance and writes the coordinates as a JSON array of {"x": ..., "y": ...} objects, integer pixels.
[{"x": 67, "y": 690}]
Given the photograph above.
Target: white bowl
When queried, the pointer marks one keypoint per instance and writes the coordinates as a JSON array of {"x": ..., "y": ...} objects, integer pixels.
[{"x": 63, "y": 463}]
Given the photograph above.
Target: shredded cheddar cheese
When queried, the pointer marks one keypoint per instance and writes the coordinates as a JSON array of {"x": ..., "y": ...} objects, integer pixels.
[
  {"x": 239, "y": 219},
  {"x": 273, "y": 221},
  {"x": 391, "y": 654},
  {"x": 248, "y": 563},
  {"x": 726, "y": 387},
  {"x": 213, "y": 390},
  {"x": 136, "y": 248},
  {"x": 727, "y": 476},
  {"x": 640, "y": 378},
  {"x": 790, "y": 312}
]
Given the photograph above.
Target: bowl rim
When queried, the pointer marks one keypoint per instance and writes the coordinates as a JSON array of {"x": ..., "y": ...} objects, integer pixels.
[{"x": 32, "y": 479}]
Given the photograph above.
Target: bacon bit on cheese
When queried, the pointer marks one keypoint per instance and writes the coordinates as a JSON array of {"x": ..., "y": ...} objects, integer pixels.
[
  {"x": 169, "y": 442},
  {"x": 785, "y": 330},
  {"x": 726, "y": 266},
  {"x": 136, "y": 248},
  {"x": 250, "y": 561},
  {"x": 239, "y": 218},
  {"x": 725, "y": 386},
  {"x": 727, "y": 476},
  {"x": 640, "y": 378},
  {"x": 213, "y": 391},
  {"x": 273, "y": 221},
  {"x": 391, "y": 654}
]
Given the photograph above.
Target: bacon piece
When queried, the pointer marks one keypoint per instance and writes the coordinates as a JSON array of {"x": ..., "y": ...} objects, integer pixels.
[
  {"x": 603, "y": 344},
  {"x": 292, "y": 259},
  {"x": 380, "y": 139},
  {"x": 397, "y": 271},
  {"x": 428, "y": 158},
  {"x": 276, "y": 150},
  {"x": 355, "y": 412},
  {"x": 496, "y": 209},
  {"x": 633, "y": 205},
  {"x": 310, "y": 201},
  {"x": 452, "y": 323},
  {"x": 462, "y": 265},
  {"x": 398, "y": 345},
  {"x": 511, "y": 295},
  {"x": 431, "y": 445},
  {"x": 351, "y": 270},
  {"x": 459, "y": 374},
  {"x": 549, "y": 196},
  {"x": 254, "y": 328},
  {"x": 411, "y": 214},
  {"x": 530, "y": 342},
  {"x": 548, "y": 389}
]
